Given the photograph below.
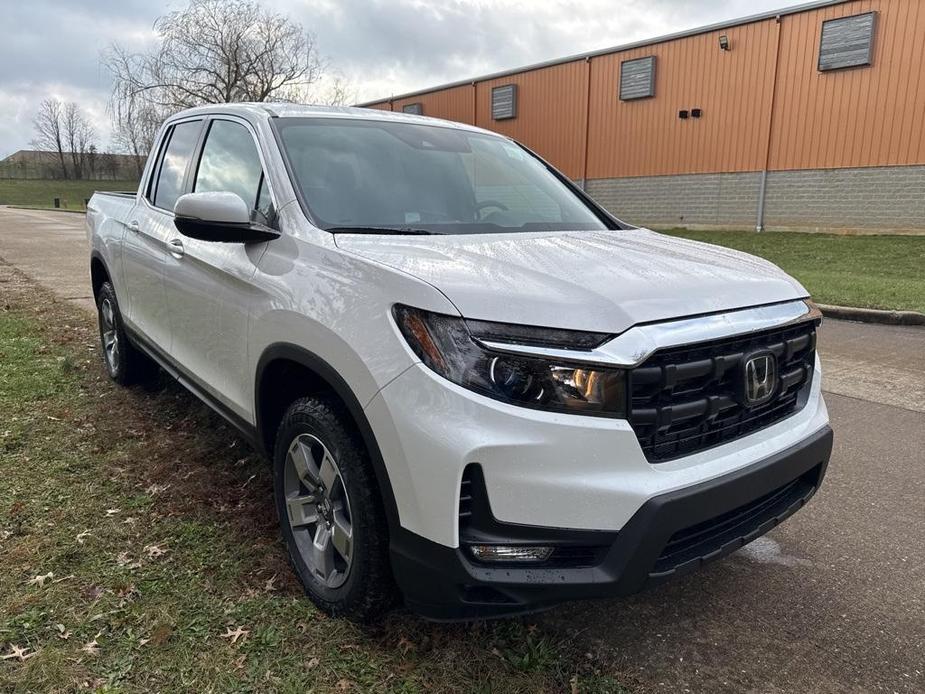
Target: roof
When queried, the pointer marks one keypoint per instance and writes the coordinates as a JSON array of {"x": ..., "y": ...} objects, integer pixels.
[
  {"x": 729, "y": 24},
  {"x": 290, "y": 110}
]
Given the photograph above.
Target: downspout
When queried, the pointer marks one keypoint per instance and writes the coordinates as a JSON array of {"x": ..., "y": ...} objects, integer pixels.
[
  {"x": 584, "y": 158},
  {"x": 763, "y": 185}
]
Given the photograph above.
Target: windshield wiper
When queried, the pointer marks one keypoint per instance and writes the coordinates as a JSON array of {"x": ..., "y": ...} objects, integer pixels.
[{"x": 407, "y": 231}]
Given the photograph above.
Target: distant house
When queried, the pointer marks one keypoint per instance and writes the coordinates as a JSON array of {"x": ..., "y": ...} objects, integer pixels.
[{"x": 33, "y": 163}]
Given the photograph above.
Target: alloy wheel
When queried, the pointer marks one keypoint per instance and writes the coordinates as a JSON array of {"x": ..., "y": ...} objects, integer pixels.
[
  {"x": 319, "y": 510},
  {"x": 110, "y": 335}
]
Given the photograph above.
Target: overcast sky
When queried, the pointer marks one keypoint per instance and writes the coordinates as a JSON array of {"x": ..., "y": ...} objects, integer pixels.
[{"x": 51, "y": 48}]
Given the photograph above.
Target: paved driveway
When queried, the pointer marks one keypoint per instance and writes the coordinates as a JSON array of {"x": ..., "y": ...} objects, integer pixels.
[{"x": 831, "y": 601}]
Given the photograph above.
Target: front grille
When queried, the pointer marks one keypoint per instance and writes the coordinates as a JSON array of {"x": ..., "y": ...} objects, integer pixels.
[{"x": 686, "y": 399}]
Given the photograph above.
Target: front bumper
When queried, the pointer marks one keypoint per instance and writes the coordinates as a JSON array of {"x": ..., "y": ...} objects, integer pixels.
[
  {"x": 541, "y": 468},
  {"x": 670, "y": 534}
]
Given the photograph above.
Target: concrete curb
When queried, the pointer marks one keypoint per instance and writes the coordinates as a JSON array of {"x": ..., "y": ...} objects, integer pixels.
[{"x": 870, "y": 315}]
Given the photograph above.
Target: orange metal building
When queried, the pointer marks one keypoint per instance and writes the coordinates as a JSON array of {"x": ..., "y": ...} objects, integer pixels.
[{"x": 789, "y": 120}]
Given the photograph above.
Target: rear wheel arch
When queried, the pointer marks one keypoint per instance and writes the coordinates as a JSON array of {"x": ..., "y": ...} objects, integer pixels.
[
  {"x": 99, "y": 274},
  {"x": 286, "y": 372}
]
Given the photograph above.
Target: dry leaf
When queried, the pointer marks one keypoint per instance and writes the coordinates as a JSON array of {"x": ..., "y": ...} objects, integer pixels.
[
  {"x": 40, "y": 580},
  {"x": 92, "y": 648},
  {"x": 19, "y": 653},
  {"x": 83, "y": 536},
  {"x": 155, "y": 551},
  {"x": 238, "y": 633}
]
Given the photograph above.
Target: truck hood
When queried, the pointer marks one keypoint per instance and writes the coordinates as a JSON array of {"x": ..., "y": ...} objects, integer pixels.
[{"x": 604, "y": 281}]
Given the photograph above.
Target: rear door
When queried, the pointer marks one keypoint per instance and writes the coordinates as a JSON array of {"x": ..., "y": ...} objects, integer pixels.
[
  {"x": 150, "y": 225},
  {"x": 209, "y": 284}
]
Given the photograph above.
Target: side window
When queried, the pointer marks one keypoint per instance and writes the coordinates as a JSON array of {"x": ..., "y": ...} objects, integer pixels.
[
  {"x": 173, "y": 163},
  {"x": 230, "y": 163}
]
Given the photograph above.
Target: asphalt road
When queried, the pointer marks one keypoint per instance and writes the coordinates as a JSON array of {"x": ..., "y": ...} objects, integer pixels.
[{"x": 831, "y": 601}]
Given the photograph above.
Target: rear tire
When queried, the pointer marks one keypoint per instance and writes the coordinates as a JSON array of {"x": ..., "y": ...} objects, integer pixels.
[
  {"x": 124, "y": 363},
  {"x": 330, "y": 511}
]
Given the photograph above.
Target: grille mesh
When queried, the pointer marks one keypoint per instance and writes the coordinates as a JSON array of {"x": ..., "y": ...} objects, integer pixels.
[{"x": 684, "y": 400}]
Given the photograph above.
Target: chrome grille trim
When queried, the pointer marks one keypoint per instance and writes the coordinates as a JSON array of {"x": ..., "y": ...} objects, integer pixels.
[{"x": 631, "y": 348}]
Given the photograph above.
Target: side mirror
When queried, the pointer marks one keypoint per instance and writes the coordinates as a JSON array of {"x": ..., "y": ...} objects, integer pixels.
[{"x": 221, "y": 217}]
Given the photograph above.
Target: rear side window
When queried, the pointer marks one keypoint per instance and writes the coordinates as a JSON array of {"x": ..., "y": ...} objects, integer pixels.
[
  {"x": 173, "y": 165},
  {"x": 230, "y": 163}
]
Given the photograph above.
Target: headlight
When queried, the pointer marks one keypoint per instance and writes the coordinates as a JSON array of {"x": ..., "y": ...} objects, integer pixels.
[{"x": 450, "y": 347}]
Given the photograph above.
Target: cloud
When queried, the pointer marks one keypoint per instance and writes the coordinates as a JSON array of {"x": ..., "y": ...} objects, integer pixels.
[{"x": 383, "y": 47}]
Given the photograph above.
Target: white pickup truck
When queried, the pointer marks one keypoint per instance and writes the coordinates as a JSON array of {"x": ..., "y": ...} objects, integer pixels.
[{"x": 480, "y": 391}]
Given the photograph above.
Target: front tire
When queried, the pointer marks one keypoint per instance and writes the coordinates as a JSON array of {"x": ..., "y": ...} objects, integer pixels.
[
  {"x": 330, "y": 511},
  {"x": 124, "y": 363}
]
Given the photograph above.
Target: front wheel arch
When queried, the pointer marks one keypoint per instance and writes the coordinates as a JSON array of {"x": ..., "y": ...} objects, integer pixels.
[{"x": 319, "y": 376}]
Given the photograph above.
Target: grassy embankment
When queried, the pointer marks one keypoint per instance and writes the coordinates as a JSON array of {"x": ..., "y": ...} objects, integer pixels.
[
  {"x": 867, "y": 271},
  {"x": 42, "y": 192}
]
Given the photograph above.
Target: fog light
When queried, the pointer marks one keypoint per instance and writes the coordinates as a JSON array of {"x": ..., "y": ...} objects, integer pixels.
[{"x": 510, "y": 553}]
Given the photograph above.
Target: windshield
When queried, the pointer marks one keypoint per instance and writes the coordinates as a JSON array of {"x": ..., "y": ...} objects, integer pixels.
[{"x": 377, "y": 176}]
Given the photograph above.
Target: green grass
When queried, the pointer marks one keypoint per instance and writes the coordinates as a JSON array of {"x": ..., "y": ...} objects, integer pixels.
[
  {"x": 153, "y": 526},
  {"x": 42, "y": 192},
  {"x": 885, "y": 272}
]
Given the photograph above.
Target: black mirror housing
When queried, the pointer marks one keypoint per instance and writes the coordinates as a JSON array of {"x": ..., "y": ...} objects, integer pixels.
[{"x": 224, "y": 232}]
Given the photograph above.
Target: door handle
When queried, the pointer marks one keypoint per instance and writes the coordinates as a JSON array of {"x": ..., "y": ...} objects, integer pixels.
[
  {"x": 134, "y": 225},
  {"x": 176, "y": 248}
]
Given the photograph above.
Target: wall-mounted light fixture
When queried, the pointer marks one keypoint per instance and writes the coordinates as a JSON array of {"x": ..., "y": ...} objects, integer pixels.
[
  {"x": 696, "y": 112},
  {"x": 683, "y": 114},
  {"x": 723, "y": 42}
]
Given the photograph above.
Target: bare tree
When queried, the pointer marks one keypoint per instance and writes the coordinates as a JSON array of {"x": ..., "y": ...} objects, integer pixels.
[
  {"x": 135, "y": 125},
  {"x": 109, "y": 165},
  {"x": 214, "y": 51},
  {"x": 49, "y": 128},
  {"x": 78, "y": 136}
]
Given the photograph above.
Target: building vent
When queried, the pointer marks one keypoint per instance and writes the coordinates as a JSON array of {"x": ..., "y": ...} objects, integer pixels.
[
  {"x": 416, "y": 109},
  {"x": 847, "y": 42},
  {"x": 504, "y": 102},
  {"x": 637, "y": 78}
]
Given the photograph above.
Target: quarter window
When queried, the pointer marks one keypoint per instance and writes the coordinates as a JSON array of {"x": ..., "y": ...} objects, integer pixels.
[
  {"x": 176, "y": 157},
  {"x": 230, "y": 163}
]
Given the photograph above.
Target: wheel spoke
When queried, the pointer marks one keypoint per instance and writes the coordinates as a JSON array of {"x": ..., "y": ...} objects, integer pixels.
[
  {"x": 342, "y": 535},
  {"x": 323, "y": 552},
  {"x": 107, "y": 314},
  {"x": 304, "y": 463},
  {"x": 302, "y": 510},
  {"x": 328, "y": 473}
]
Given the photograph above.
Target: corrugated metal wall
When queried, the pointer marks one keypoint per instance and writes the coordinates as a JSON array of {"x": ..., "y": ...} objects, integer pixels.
[{"x": 868, "y": 116}]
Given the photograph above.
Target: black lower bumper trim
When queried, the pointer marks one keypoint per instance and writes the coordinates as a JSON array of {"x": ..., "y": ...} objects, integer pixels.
[{"x": 669, "y": 535}]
